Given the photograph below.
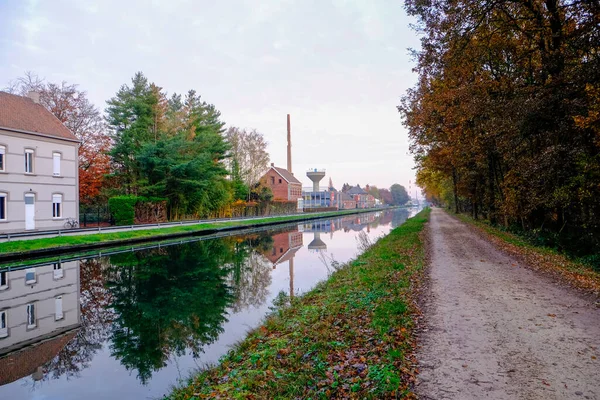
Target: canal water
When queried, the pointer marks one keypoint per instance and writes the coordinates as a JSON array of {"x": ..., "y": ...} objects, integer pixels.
[{"x": 132, "y": 323}]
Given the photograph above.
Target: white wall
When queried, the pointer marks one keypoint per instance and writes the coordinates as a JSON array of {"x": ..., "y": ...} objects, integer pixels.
[{"x": 42, "y": 182}]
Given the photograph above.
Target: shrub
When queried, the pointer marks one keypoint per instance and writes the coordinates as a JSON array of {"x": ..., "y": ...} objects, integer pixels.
[{"x": 122, "y": 209}]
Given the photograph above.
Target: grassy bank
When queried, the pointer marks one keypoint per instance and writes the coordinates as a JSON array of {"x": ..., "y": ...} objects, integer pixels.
[
  {"x": 80, "y": 241},
  {"x": 578, "y": 274},
  {"x": 350, "y": 337}
]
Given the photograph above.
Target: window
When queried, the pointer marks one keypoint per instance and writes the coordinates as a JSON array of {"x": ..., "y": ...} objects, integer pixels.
[
  {"x": 58, "y": 309},
  {"x": 58, "y": 271},
  {"x": 28, "y": 161},
  {"x": 272, "y": 180},
  {"x": 2, "y": 206},
  {"x": 30, "y": 275},
  {"x": 279, "y": 180},
  {"x": 31, "y": 323},
  {"x": 56, "y": 164},
  {"x": 3, "y": 280},
  {"x": 2, "y": 157},
  {"x": 3, "y": 324},
  {"x": 56, "y": 205}
]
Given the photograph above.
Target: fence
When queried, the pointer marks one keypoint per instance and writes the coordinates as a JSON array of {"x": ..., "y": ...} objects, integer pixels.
[
  {"x": 99, "y": 215},
  {"x": 93, "y": 216}
]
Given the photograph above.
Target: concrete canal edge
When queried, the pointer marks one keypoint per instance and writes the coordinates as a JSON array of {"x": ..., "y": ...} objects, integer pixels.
[
  {"x": 60, "y": 249},
  {"x": 352, "y": 336}
]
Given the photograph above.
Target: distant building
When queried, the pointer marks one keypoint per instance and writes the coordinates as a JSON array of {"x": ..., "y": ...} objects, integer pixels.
[
  {"x": 346, "y": 201},
  {"x": 362, "y": 198},
  {"x": 320, "y": 199},
  {"x": 283, "y": 184},
  {"x": 38, "y": 166}
]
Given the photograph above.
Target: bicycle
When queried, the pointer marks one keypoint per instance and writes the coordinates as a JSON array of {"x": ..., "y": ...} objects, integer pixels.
[{"x": 71, "y": 223}]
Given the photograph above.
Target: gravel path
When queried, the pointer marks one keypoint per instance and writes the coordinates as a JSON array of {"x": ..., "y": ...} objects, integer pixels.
[{"x": 497, "y": 330}]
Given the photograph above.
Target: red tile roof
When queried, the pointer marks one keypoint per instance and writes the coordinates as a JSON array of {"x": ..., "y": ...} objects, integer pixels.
[
  {"x": 26, "y": 361},
  {"x": 22, "y": 114},
  {"x": 287, "y": 175}
]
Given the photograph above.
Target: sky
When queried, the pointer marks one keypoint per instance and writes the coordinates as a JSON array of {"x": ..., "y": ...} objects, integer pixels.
[{"x": 339, "y": 67}]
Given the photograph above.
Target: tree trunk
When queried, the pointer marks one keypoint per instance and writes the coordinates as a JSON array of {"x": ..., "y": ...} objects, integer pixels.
[{"x": 455, "y": 190}]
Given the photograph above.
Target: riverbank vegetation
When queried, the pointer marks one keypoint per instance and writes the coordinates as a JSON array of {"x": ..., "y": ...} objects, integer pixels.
[
  {"x": 350, "y": 337},
  {"x": 78, "y": 241},
  {"x": 504, "y": 119}
]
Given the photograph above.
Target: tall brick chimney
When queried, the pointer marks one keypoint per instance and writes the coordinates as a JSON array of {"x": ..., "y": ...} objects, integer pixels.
[{"x": 289, "y": 147}]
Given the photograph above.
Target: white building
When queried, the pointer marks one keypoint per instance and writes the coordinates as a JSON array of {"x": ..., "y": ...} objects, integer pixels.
[{"x": 38, "y": 166}]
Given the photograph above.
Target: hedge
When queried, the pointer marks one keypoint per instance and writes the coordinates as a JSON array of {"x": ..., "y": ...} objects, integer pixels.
[{"x": 122, "y": 209}]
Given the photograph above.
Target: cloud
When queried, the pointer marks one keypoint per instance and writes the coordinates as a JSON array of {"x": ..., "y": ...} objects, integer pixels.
[{"x": 338, "y": 67}]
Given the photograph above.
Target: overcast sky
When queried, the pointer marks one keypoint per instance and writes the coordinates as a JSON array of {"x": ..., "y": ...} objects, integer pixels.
[{"x": 338, "y": 67}]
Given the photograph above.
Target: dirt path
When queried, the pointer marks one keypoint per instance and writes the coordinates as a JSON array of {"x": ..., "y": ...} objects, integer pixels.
[{"x": 497, "y": 330}]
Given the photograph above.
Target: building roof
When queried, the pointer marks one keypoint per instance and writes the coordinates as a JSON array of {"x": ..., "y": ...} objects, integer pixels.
[
  {"x": 25, "y": 362},
  {"x": 345, "y": 196},
  {"x": 22, "y": 114},
  {"x": 285, "y": 174},
  {"x": 356, "y": 190}
]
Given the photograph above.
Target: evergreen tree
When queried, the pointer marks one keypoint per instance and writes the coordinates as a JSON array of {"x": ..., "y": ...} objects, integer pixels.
[
  {"x": 131, "y": 117},
  {"x": 170, "y": 148}
]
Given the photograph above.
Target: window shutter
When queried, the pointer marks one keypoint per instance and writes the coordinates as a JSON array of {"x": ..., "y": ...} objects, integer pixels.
[
  {"x": 56, "y": 162},
  {"x": 57, "y": 198}
]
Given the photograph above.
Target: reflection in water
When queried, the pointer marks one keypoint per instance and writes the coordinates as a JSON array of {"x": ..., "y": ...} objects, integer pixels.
[
  {"x": 166, "y": 301},
  {"x": 37, "y": 306},
  {"x": 145, "y": 307},
  {"x": 285, "y": 246}
]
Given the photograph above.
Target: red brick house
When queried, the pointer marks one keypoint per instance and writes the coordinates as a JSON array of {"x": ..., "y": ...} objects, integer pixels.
[
  {"x": 285, "y": 246},
  {"x": 346, "y": 201},
  {"x": 283, "y": 184}
]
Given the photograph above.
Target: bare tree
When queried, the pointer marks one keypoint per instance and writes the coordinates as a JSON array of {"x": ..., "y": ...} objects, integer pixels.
[
  {"x": 72, "y": 107},
  {"x": 249, "y": 158}
]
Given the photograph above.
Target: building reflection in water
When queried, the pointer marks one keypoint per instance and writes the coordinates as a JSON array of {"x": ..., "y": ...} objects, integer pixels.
[
  {"x": 39, "y": 315},
  {"x": 285, "y": 246}
]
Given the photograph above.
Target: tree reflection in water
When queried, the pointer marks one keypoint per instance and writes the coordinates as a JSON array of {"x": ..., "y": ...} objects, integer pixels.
[
  {"x": 250, "y": 275},
  {"x": 166, "y": 301},
  {"x": 96, "y": 317},
  {"x": 153, "y": 303}
]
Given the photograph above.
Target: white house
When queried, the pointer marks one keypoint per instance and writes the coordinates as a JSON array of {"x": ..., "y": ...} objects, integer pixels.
[{"x": 38, "y": 166}]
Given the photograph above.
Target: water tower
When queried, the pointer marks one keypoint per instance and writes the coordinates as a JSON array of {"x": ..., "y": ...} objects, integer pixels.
[
  {"x": 315, "y": 175},
  {"x": 317, "y": 244}
]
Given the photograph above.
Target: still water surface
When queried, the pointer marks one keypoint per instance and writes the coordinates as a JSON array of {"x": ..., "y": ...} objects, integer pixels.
[{"x": 133, "y": 324}]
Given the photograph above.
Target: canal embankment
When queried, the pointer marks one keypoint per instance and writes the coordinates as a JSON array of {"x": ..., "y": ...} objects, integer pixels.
[
  {"x": 349, "y": 337},
  {"x": 18, "y": 249}
]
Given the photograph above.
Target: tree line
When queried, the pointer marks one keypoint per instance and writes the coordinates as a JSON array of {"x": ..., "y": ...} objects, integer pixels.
[
  {"x": 157, "y": 146},
  {"x": 171, "y": 149},
  {"x": 396, "y": 195},
  {"x": 504, "y": 121}
]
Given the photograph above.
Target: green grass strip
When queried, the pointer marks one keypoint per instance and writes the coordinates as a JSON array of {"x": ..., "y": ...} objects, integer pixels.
[
  {"x": 23, "y": 246},
  {"x": 349, "y": 337}
]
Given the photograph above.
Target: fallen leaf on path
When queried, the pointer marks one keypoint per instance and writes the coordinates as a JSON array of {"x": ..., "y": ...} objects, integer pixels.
[{"x": 552, "y": 315}]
